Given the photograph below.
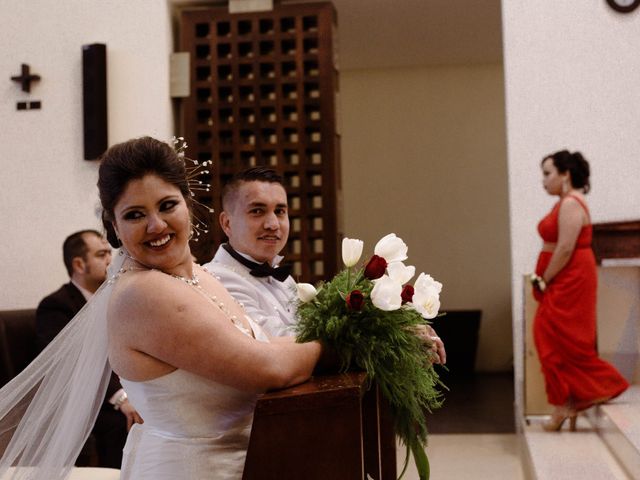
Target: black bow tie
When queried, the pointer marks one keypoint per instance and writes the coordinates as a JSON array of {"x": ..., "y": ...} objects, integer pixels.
[{"x": 260, "y": 269}]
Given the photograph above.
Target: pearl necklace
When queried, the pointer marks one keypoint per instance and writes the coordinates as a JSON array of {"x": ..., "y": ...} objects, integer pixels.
[{"x": 194, "y": 281}]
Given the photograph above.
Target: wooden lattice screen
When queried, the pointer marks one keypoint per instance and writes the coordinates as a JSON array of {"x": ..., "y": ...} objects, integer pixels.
[{"x": 263, "y": 92}]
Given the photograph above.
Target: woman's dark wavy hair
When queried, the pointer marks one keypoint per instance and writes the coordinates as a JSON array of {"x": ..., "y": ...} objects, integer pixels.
[
  {"x": 575, "y": 164},
  {"x": 132, "y": 160}
]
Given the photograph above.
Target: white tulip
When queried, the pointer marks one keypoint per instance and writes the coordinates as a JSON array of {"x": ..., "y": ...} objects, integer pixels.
[
  {"x": 400, "y": 272},
  {"x": 306, "y": 292},
  {"x": 426, "y": 296},
  {"x": 425, "y": 281},
  {"x": 391, "y": 248},
  {"x": 351, "y": 251},
  {"x": 387, "y": 294}
]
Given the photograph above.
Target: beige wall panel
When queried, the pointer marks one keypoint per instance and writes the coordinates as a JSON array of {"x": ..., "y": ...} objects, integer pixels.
[{"x": 423, "y": 155}]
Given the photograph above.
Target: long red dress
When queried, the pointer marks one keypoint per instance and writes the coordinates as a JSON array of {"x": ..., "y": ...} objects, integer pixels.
[{"x": 565, "y": 326}]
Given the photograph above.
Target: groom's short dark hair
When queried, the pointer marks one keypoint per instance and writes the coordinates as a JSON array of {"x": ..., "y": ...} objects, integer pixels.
[{"x": 253, "y": 174}]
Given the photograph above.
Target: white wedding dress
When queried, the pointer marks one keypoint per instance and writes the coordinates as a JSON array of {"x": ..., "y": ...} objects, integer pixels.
[{"x": 193, "y": 428}]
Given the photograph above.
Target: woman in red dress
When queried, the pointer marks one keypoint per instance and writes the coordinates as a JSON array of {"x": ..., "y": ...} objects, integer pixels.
[{"x": 565, "y": 286}]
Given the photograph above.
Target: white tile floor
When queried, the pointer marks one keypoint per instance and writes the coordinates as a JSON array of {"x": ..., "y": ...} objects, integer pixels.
[
  {"x": 81, "y": 473},
  {"x": 476, "y": 456},
  {"x": 479, "y": 456}
]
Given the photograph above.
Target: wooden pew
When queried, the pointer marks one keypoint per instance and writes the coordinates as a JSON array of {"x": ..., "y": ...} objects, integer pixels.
[
  {"x": 329, "y": 427},
  {"x": 17, "y": 342}
]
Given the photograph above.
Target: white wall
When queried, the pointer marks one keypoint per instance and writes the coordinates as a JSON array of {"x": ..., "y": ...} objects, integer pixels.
[
  {"x": 47, "y": 190},
  {"x": 424, "y": 156},
  {"x": 572, "y": 74}
]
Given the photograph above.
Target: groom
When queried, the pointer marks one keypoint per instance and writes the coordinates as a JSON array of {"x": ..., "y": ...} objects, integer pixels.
[{"x": 255, "y": 219}]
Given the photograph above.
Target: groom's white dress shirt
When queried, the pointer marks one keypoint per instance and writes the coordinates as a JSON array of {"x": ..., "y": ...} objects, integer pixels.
[{"x": 269, "y": 302}]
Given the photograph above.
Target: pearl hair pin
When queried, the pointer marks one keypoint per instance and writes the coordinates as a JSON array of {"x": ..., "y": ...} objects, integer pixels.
[{"x": 193, "y": 171}]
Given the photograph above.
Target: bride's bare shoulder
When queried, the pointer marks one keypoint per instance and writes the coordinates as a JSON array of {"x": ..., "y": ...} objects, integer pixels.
[{"x": 142, "y": 289}]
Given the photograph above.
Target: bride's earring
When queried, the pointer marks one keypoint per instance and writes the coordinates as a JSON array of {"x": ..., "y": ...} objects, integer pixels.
[{"x": 115, "y": 232}]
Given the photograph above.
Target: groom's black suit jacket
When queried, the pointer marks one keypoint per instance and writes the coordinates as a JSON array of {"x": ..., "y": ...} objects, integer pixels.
[{"x": 53, "y": 314}]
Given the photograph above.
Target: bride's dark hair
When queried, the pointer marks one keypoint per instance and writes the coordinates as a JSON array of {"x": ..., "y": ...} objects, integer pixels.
[{"x": 132, "y": 160}]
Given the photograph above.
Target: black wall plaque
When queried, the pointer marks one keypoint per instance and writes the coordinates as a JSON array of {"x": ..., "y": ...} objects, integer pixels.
[{"x": 94, "y": 99}]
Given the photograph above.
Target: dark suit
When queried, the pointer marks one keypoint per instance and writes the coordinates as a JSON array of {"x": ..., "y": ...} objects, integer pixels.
[{"x": 110, "y": 429}]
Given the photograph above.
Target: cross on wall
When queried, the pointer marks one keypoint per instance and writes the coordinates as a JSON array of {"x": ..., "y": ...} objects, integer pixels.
[{"x": 25, "y": 78}]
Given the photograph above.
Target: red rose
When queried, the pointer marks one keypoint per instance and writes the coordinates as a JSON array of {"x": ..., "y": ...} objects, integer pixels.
[
  {"x": 407, "y": 293},
  {"x": 355, "y": 300},
  {"x": 375, "y": 268}
]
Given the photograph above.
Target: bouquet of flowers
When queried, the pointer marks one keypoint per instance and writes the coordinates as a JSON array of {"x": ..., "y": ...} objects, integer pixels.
[{"x": 369, "y": 316}]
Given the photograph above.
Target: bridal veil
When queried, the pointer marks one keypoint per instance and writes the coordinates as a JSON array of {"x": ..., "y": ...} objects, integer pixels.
[{"x": 47, "y": 411}]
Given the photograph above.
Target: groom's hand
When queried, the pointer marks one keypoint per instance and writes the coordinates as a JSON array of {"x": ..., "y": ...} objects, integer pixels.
[
  {"x": 131, "y": 413},
  {"x": 429, "y": 336}
]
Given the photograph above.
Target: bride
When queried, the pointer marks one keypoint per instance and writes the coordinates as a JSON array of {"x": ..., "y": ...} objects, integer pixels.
[{"x": 189, "y": 358}]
